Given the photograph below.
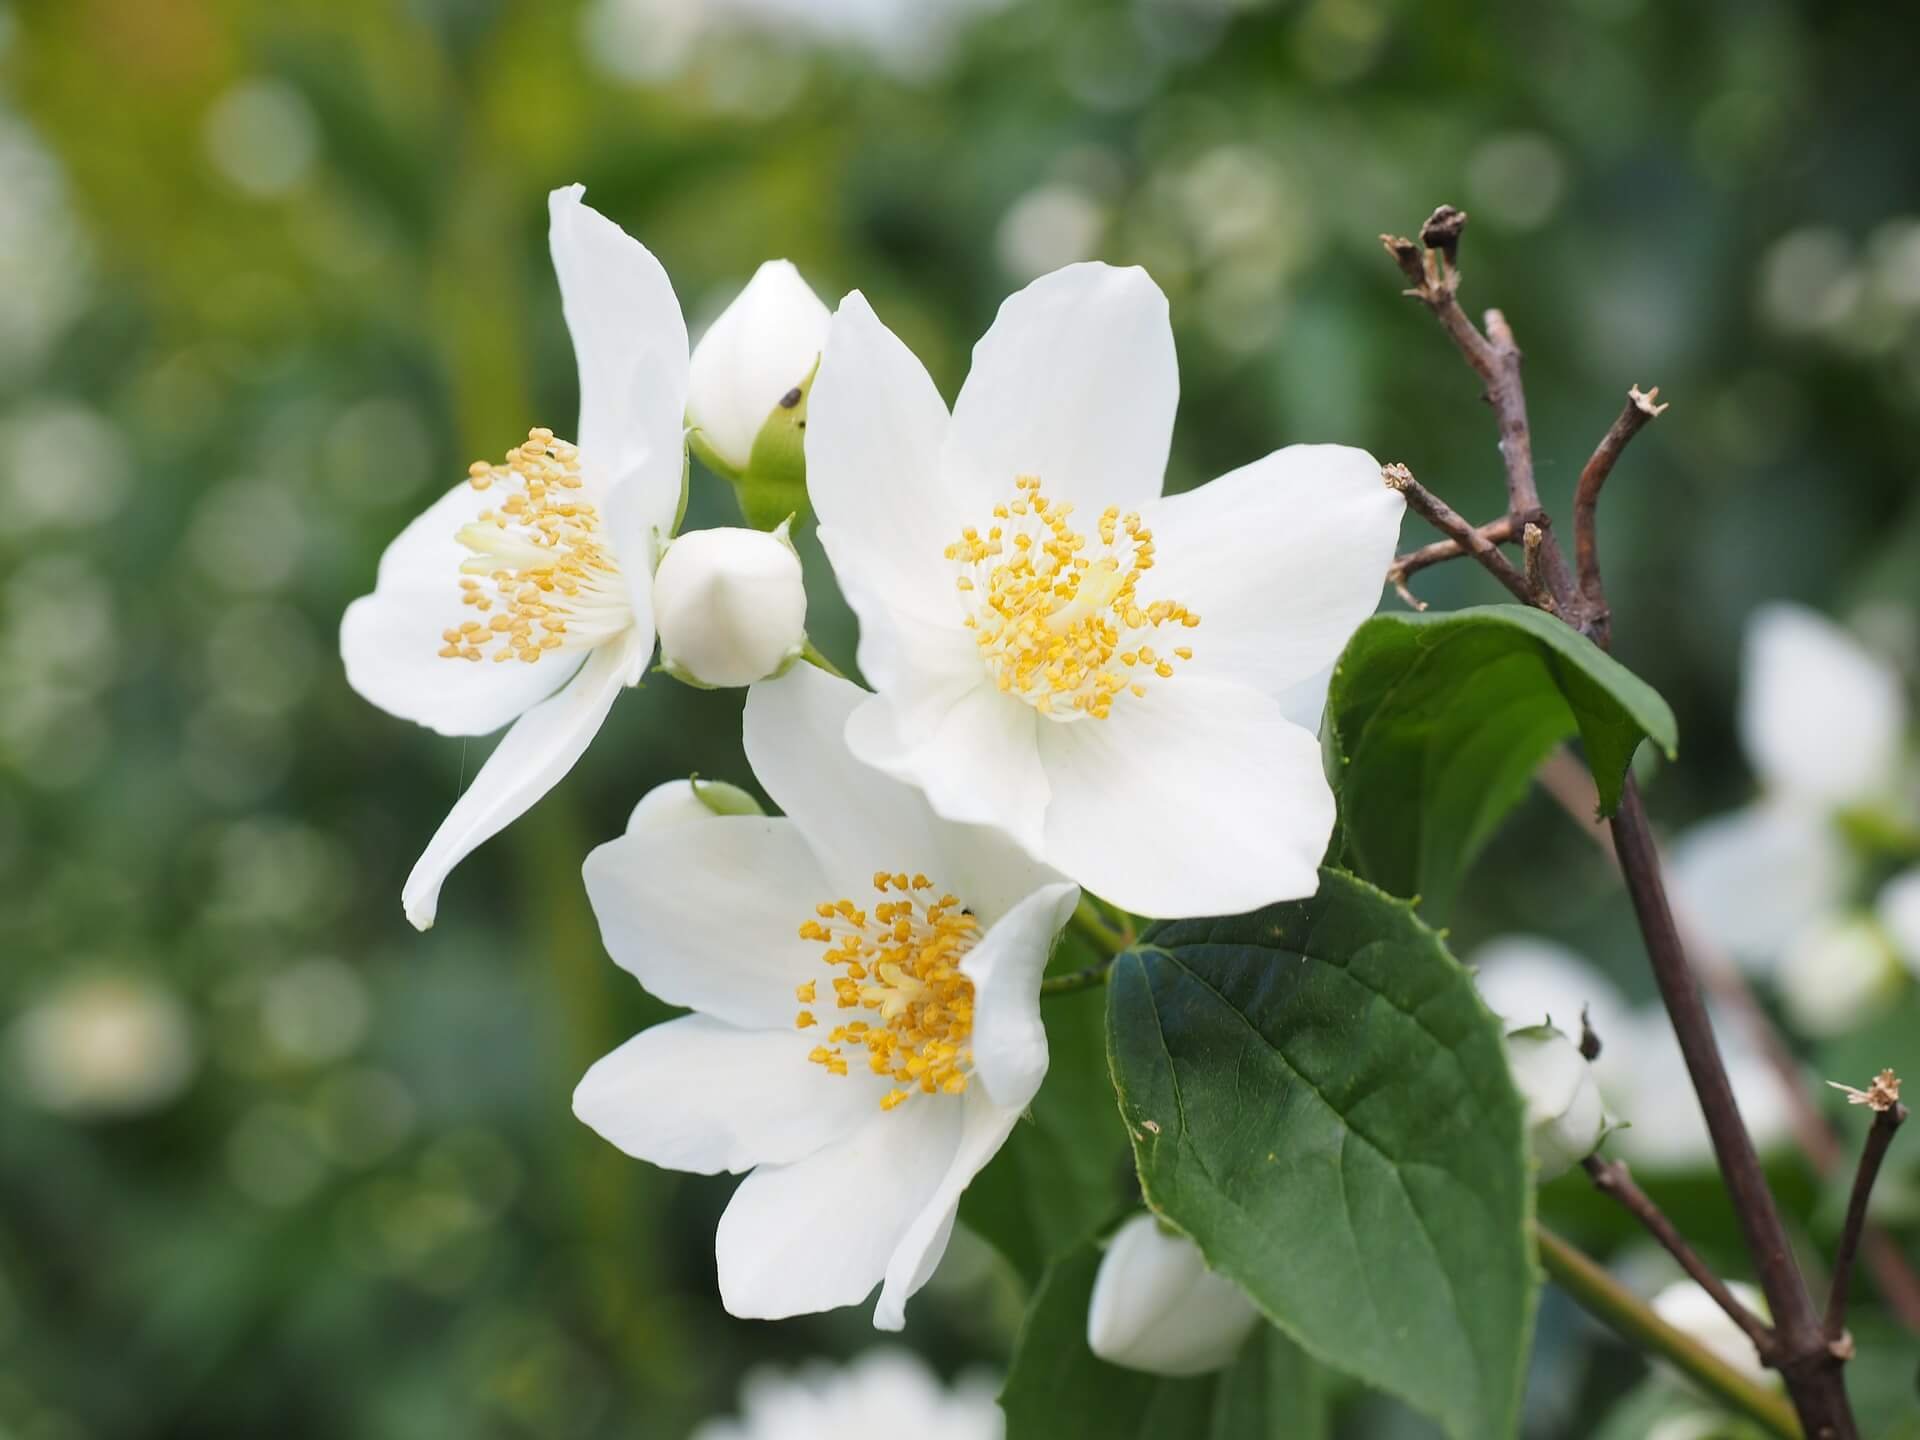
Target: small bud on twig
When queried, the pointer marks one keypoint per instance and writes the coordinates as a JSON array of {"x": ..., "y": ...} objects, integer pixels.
[{"x": 1442, "y": 232}]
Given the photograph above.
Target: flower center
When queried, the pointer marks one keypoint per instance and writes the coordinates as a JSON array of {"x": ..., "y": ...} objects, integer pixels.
[
  {"x": 1060, "y": 623},
  {"x": 901, "y": 965},
  {"x": 551, "y": 582}
]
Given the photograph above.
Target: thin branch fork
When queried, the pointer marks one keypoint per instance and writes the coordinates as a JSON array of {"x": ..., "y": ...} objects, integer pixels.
[
  {"x": 1640, "y": 408},
  {"x": 1405, "y": 567},
  {"x": 1461, "y": 532},
  {"x": 1883, "y": 1096}
]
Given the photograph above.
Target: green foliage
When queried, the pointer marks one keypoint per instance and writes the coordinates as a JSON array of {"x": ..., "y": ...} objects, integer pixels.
[
  {"x": 1317, "y": 1096},
  {"x": 1058, "y": 1389},
  {"x": 1436, "y": 723}
]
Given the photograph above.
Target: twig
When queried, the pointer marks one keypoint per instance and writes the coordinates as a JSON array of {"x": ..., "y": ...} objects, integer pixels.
[
  {"x": 1631, "y": 1318},
  {"x": 1075, "y": 980},
  {"x": 1405, "y": 567},
  {"x": 1451, "y": 523},
  {"x": 1640, "y": 408},
  {"x": 1611, "y": 1177},
  {"x": 1888, "y": 1115},
  {"x": 1531, "y": 538}
]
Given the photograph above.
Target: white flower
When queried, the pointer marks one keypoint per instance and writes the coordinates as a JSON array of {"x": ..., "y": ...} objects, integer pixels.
[
  {"x": 1157, "y": 1307},
  {"x": 682, "y": 802},
  {"x": 1127, "y": 684},
  {"x": 1565, "y": 1120},
  {"x": 731, "y": 605},
  {"x": 761, "y": 349},
  {"x": 103, "y": 1045},
  {"x": 865, "y": 982},
  {"x": 1693, "y": 1312},
  {"x": 1528, "y": 980},
  {"x": 883, "y": 1392},
  {"x": 1835, "y": 973},
  {"x": 1899, "y": 913}
]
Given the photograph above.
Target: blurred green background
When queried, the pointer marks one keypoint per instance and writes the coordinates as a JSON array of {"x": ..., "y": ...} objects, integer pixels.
[{"x": 272, "y": 273}]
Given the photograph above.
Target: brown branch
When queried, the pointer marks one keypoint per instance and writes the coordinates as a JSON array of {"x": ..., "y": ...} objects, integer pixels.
[
  {"x": 1451, "y": 523},
  {"x": 1639, "y": 410},
  {"x": 1611, "y": 1177},
  {"x": 1889, "y": 1114},
  {"x": 1405, "y": 567}
]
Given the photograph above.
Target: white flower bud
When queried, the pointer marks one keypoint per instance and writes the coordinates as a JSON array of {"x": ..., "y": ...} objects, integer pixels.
[
  {"x": 1833, "y": 974},
  {"x": 764, "y": 345},
  {"x": 682, "y": 802},
  {"x": 730, "y": 605},
  {"x": 1696, "y": 1314},
  {"x": 1565, "y": 1119},
  {"x": 1156, "y": 1307}
]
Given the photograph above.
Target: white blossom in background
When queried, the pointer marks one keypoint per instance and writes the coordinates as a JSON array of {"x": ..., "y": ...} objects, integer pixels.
[
  {"x": 731, "y": 605},
  {"x": 1834, "y": 972},
  {"x": 866, "y": 1032},
  {"x": 1157, "y": 1307},
  {"x": 1566, "y": 1120},
  {"x": 762, "y": 348},
  {"x": 1898, "y": 909},
  {"x": 1689, "y": 1309},
  {"x": 1126, "y": 683},
  {"x": 103, "y": 1046},
  {"x": 883, "y": 1392}
]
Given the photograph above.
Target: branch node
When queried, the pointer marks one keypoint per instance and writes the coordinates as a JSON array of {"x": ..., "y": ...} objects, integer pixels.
[{"x": 1442, "y": 232}]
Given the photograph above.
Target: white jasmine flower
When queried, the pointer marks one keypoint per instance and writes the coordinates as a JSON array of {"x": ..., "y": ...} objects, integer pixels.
[
  {"x": 762, "y": 348},
  {"x": 1126, "y": 683},
  {"x": 1565, "y": 1118},
  {"x": 883, "y": 1392},
  {"x": 731, "y": 605},
  {"x": 865, "y": 982},
  {"x": 1693, "y": 1312},
  {"x": 1157, "y": 1307},
  {"x": 103, "y": 1045},
  {"x": 1835, "y": 973}
]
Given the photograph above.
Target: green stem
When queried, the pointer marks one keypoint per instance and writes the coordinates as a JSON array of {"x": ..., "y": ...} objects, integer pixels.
[
  {"x": 1629, "y": 1317},
  {"x": 1091, "y": 926},
  {"x": 811, "y": 654}
]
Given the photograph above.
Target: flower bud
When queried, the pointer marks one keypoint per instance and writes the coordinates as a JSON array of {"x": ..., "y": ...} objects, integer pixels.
[
  {"x": 1565, "y": 1119},
  {"x": 1696, "y": 1314},
  {"x": 730, "y": 606},
  {"x": 1834, "y": 973},
  {"x": 762, "y": 348},
  {"x": 684, "y": 802},
  {"x": 1156, "y": 1307}
]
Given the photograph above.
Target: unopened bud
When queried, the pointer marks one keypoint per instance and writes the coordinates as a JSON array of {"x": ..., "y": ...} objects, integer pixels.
[
  {"x": 761, "y": 349},
  {"x": 730, "y": 605},
  {"x": 1697, "y": 1315},
  {"x": 686, "y": 802},
  {"x": 1156, "y": 1307},
  {"x": 1565, "y": 1120}
]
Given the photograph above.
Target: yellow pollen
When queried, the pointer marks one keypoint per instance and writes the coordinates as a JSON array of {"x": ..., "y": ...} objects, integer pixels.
[
  {"x": 902, "y": 967},
  {"x": 553, "y": 580},
  {"x": 1057, "y": 626}
]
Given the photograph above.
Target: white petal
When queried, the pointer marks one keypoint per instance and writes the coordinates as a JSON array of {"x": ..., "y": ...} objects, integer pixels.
[
  {"x": 1009, "y": 1040},
  {"x": 1281, "y": 560},
  {"x": 1689, "y": 1309},
  {"x": 985, "y": 1129},
  {"x": 875, "y": 428},
  {"x": 1527, "y": 980},
  {"x": 1898, "y": 909},
  {"x": 1821, "y": 717},
  {"x": 696, "y": 1094},
  {"x": 1201, "y": 798},
  {"x": 1156, "y": 1306},
  {"x": 630, "y": 342},
  {"x": 817, "y": 1234},
  {"x": 763, "y": 345},
  {"x": 1076, "y": 383},
  {"x": 708, "y": 916},
  {"x": 540, "y": 748},
  {"x": 390, "y": 640},
  {"x": 1755, "y": 878}
]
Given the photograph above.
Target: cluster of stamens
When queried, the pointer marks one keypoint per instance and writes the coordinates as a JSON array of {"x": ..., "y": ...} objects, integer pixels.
[
  {"x": 900, "y": 964},
  {"x": 1063, "y": 629},
  {"x": 540, "y": 552}
]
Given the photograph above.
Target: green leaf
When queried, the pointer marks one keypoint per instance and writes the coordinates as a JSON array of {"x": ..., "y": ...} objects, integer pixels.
[
  {"x": 1317, "y": 1096},
  {"x": 1058, "y": 1390},
  {"x": 1436, "y": 723}
]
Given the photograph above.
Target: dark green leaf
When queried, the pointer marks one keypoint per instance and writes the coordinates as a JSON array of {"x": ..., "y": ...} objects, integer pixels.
[
  {"x": 1436, "y": 723},
  {"x": 1317, "y": 1096}
]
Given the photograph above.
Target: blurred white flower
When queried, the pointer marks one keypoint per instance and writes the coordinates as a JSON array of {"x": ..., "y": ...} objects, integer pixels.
[
  {"x": 1565, "y": 1118},
  {"x": 1157, "y": 1307},
  {"x": 262, "y": 137},
  {"x": 1899, "y": 914},
  {"x": 1834, "y": 974},
  {"x": 883, "y": 1392},
  {"x": 762, "y": 348},
  {"x": 1197, "y": 629},
  {"x": 1690, "y": 1310},
  {"x": 103, "y": 1045},
  {"x": 731, "y": 605},
  {"x": 861, "y": 1130}
]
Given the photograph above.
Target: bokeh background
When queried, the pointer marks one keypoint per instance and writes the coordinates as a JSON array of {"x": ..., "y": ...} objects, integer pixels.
[{"x": 272, "y": 273}]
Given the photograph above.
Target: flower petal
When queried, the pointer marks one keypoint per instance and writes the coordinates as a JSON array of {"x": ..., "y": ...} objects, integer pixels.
[
  {"x": 696, "y": 1094},
  {"x": 1156, "y": 1307},
  {"x": 540, "y": 748},
  {"x": 630, "y": 342},
  {"x": 1075, "y": 382},
  {"x": 817, "y": 1234},
  {"x": 1753, "y": 879},
  {"x": 1200, "y": 798},
  {"x": 1821, "y": 717},
  {"x": 390, "y": 640},
  {"x": 875, "y": 427},
  {"x": 1529, "y": 980},
  {"x": 985, "y": 1129},
  {"x": 1281, "y": 560},
  {"x": 763, "y": 345},
  {"x": 708, "y": 916},
  {"x": 1009, "y": 1040}
]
